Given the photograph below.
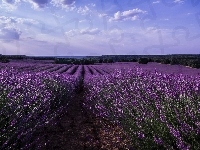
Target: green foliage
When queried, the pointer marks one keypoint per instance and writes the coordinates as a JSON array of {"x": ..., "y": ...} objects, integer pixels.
[
  {"x": 143, "y": 60},
  {"x": 59, "y": 92},
  {"x": 194, "y": 63},
  {"x": 133, "y": 60},
  {"x": 174, "y": 61},
  {"x": 158, "y": 60},
  {"x": 165, "y": 61},
  {"x": 4, "y": 59},
  {"x": 74, "y": 61}
]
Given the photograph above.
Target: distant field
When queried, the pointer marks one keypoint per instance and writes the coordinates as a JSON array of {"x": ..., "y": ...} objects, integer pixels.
[{"x": 151, "y": 66}]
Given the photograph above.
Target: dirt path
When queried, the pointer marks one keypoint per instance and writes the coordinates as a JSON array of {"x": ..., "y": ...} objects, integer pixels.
[{"x": 80, "y": 130}]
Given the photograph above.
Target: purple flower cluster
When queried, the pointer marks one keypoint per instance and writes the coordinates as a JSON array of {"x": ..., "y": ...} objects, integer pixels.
[
  {"x": 162, "y": 108},
  {"x": 151, "y": 66},
  {"x": 29, "y": 100}
]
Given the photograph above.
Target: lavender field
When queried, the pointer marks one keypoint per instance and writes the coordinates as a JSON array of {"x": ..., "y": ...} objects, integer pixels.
[{"x": 156, "y": 105}]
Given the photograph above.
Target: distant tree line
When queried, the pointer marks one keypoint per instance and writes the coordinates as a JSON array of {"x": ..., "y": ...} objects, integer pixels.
[
  {"x": 83, "y": 61},
  {"x": 175, "y": 59},
  {"x": 4, "y": 59},
  {"x": 186, "y": 60},
  {"x": 193, "y": 62},
  {"x": 42, "y": 58}
]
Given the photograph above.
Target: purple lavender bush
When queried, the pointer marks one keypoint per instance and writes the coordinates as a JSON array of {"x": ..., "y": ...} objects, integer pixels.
[
  {"x": 28, "y": 101},
  {"x": 157, "y": 110}
]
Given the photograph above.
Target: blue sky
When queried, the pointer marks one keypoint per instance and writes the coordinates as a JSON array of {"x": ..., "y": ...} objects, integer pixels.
[{"x": 99, "y": 27}]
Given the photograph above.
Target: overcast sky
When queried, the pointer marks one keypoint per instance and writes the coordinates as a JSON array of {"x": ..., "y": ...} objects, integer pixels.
[{"x": 99, "y": 27}]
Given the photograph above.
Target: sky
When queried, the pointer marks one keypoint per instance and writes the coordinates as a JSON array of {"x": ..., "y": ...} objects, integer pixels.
[{"x": 99, "y": 27}]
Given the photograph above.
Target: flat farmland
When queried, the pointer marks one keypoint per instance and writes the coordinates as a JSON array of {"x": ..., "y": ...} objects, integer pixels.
[
  {"x": 151, "y": 66},
  {"x": 107, "y": 106}
]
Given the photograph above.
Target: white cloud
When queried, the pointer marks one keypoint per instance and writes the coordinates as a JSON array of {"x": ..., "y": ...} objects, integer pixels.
[
  {"x": 68, "y": 2},
  {"x": 178, "y": 1},
  {"x": 84, "y": 20},
  {"x": 12, "y": 20},
  {"x": 83, "y": 10},
  {"x": 87, "y": 9},
  {"x": 92, "y": 4},
  {"x": 25, "y": 20},
  {"x": 69, "y": 5},
  {"x": 10, "y": 27},
  {"x": 6, "y": 20},
  {"x": 36, "y": 4},
  {"x": 151, "y": 30},
  {"x": 90, "y": 31},
  {"x": 156, "y": 2},
  {"x": 10, "y": 1},
  {"x": 75, "y": 32},
  {"x": 72, "y": 33},
  {"x": 114, "y": 32},
  {"x": 102, "y": 15},
  {"x": 9, "y": 5},
  {"x": 8, "y": 34},
  {"x": 127, "y": 15},
  {"x": 165, "y": 19},
  {"x": 57, "y": 16}
]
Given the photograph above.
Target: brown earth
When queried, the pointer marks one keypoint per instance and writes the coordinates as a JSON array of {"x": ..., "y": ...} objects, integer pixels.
[{"x": 80, "y": 130}]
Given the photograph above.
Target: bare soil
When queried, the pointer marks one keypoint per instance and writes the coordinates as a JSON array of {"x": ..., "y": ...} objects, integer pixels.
[{"x": 78, "y": 129}]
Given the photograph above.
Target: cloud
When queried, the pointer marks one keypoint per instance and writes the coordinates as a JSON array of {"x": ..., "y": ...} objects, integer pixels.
[
  {"x": 10, "y": 1},
  {"x": 72, "y": 33},
  {"x": 75, "y": 32},
  {"x": 87, "y": 9},
  {"x": 10, "y": 27},
  {"x": 26, "y": 20},
  {"x": 127, "y": 15},
  {"x": 66, "y": 4},
  {"x": 83, "y": 10},
  {"x": 90, "y": 31},
  {"x": 178, "y": 1},
  {"x": 102, "y": 15},
  {"x": 8, "y": 34},
  {"x": 9, "y": 5},
  {"x": 57, "y": 16},
  {"x": 7, "y": 21},
  {"x": 151, "y": 29},
  {"x": 92, "y": 5},
  {"x": 165, "y": 19},
  {"x": 84, "y": 20},
  {"x": 156, "y": 2},
  {"x": 36, "y": 4}
]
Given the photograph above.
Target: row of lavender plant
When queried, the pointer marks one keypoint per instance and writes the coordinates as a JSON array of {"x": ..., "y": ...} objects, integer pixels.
[
  {"x": 28, "y": 101},
  {"x": 157, "y": 110},
  {"x": 19, "y": 66},
  {"x": 99, "y": 71},
  {"x": 165, "y": 68},
  {"x": 27, "y": 66},
  {"x": 64, "y": 69},
  {"x": 79, "y": 77},
  {"x": 72, "y": 70},
  {"x": 92, "y": 70},
  {"x": 88, "y": 74},
  {"x": 54, "y": 68}
]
